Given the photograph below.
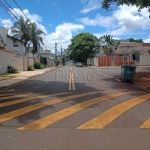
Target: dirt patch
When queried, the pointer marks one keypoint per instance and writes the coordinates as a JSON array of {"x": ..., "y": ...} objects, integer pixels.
[
  {"x": 142, "y": 76},
  {"x": 142, "y": 79}
]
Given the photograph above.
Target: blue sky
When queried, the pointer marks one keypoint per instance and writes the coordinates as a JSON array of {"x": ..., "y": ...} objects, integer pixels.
[{"x": 63, "y": 19}]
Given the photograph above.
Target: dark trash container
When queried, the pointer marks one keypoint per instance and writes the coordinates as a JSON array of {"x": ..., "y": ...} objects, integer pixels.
[{"x": 127, "y": 73}]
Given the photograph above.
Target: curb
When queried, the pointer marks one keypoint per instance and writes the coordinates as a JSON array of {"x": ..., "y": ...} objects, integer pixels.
[
  {"x": 99, "y": 67},
  {"x": 29, "y": 78}
]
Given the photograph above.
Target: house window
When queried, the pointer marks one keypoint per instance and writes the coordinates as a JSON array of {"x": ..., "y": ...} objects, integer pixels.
[{"x": 16, "y": 45}]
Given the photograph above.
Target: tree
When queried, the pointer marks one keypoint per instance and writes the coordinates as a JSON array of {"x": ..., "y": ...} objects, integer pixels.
[
  {"x": 106, "y": 4},
  {"x": 35, "y": 37},
  {"x": 20, "y": 30},
  {"x": 107, "y": 43},
  {"x": 135, "y": 40},
  {"x": 82, "y": 47}
]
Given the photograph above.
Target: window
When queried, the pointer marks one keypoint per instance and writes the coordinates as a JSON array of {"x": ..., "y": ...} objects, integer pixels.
[{"x": 16, "y": 45}]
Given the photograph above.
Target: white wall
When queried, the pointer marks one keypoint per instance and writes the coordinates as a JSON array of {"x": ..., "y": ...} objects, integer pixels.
[
  {"x": 6, "y": 58},
  {"x": 20, "y": 48},
  {"x": 31, "y": 61},
  {"x": 144, "y": 60},
  {"x": 3, "y": 33},
  {"x": 18, "y": 62},
  {"x": 95, "y": 61}
]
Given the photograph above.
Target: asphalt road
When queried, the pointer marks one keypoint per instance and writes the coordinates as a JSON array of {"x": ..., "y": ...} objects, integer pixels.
[{"x": 75, "y": 108}]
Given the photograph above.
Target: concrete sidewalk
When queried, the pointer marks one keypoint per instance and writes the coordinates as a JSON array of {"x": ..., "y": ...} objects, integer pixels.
[
  {"x": 22, "y": 76},
  {"x": 114, "y": 67}
]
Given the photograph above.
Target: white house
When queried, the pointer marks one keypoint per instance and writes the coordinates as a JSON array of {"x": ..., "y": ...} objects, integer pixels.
[{"x": 12, "y": 52}]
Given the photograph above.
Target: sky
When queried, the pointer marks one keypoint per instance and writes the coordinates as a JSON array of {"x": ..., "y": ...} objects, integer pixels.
[{"x": 61, "y": 20}]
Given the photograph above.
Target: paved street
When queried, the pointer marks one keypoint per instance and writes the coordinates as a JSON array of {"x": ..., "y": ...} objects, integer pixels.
[{"x": 75, "y": 108}]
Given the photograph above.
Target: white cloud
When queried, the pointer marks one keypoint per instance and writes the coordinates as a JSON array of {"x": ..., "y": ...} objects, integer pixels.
[
  {"x": 90, "y": 5},
  {"x": 104, "y": 21},
  {"x": 131, "y": 19},
  {"x": 63, "y": 34},
  {"x": 126, "y": 20},
  {"x": 32, "y": 17},
  {"x": 6, "y": 23},
  {"x": 146, "y": 40}
]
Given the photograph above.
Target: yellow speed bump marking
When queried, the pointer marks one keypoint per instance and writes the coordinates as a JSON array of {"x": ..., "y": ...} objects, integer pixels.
[
  {"x": 27, "y": 99},
  {"x": 2, "y": 98},
  {"x": 110, "y": 115},
  {"x": 146, "y": 124},
  {"x": 30, "y": 108},
  {"x": 5, "y": 95},
  {"x": 50, "y": 119}
]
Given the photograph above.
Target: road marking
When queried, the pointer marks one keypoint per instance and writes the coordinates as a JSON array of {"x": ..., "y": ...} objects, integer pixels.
[
  {"x": 110, "y": 77},
  {"x": 105, "y": 75},
  {"x": 30, "y": 108},
  {"x": 50, "y": 119},
  {"x": 73, "y": 85},
  {"x": 146, "y": 124},
  {"x": 111, "y": 114},
  {"x": 101, "y": 73},
  {"x": 3, "y": 98},
  {"x": 27, "y": 99},
  {"x": 117, "y": 80},
  {"x": 70, "y": 82},
  {"x": 5, "y": 95}
]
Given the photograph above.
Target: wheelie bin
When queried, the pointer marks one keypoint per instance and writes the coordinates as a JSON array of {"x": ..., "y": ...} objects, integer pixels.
[{"x": 127, "y": 73}]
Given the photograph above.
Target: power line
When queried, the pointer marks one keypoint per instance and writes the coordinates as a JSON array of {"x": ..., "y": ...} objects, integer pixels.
[
  {"x": 4, "y": 6},
  {"x": 11, "y": 8},
  {"x": 21, "y": 10},
  {"x": 28, "y": 19}
]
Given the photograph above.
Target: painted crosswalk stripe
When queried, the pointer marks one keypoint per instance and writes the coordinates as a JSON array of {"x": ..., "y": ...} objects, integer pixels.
[
  {"x": 7, "y": 97},
  {"x": 30, "y": 108},
  {"x": 110, "y": 115},
  {"x": 50, "y": 119},
  {"x": 28, "y": 99},
  {"x": 146, "y": 124}
]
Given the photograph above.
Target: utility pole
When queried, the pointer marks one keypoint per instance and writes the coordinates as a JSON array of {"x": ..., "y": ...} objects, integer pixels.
[{"x": 55, "y": 50}]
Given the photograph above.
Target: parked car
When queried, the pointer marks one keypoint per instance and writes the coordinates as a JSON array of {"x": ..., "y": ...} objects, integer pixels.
[{"x": 79, "y": 64}]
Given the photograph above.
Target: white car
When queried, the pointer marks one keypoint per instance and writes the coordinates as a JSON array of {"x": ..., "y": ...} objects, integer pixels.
[{"x": 79, "y": 64}]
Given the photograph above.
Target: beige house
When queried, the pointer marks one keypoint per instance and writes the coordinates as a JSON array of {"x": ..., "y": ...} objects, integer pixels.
[
  {"x": 123, "y": 54},
  {"x": 13, "y": 53}
]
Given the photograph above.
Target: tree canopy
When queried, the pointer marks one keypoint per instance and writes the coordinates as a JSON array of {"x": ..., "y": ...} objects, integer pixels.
[
  {"x": 82, "y": 46},
  {"x": 135, "y": 40},
  {"x": 107, "y": 4},
  {"x": 27, "y": 32},
  {"x": 107, "y": 42}
]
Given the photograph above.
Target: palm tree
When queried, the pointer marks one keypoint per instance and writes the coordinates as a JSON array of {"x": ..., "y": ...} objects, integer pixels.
[
  {"x": 20, "y": 30},
  {"x": 35, "y": 37},
  {"x": 107, "y": 43}
]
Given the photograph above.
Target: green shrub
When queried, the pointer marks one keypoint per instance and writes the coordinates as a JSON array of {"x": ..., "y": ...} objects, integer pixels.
[
  {"x": 57, "y": 62},
  {"x": 11, "y": 69},
  {"x": 30, "y": 68},
  {"x": 37, "y": 65}
]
